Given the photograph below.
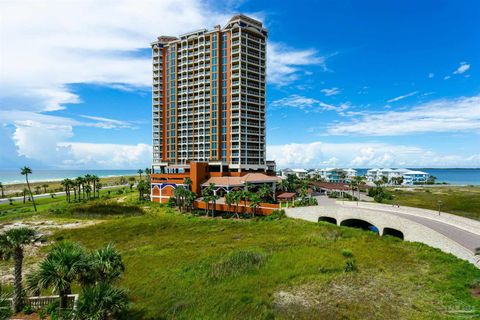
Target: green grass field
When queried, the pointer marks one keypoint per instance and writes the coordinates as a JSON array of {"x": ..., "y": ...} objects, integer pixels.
[
  {"x": 180, "y": 266},
  {"x": 463, "y": 201}
]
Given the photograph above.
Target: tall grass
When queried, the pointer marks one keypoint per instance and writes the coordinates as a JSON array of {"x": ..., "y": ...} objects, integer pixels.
[{"x": 236, "y": 263}]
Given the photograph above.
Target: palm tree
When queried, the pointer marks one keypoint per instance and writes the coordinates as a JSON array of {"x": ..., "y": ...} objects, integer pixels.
[
  {"x": 229, "y": 199},
  {"x": 98, "y": 186},
  {"x": 237, "y": 198},
  {"x": 11, "y": 246},
  {"x": 79, "y": 181},
  {"x": 66, "y": 185},
  {"x": 25, "y": 192},
  {"x": 88, "y": 190},
  {"x": 63, "y": 266},
  {"x": 246, "y": 194},
  {"x": 190, "y": 199},
  {"x": 148, "y": 172},
  {"x": 104, "y": 266},
  {"x": 140, "y": 171},
  {"x": 265, "y": 192},
  {"x": 25, "y": 171},
  {"x": 142, "y": 188},
  {"x": 187, "y": 182},
  {"x": 254, "y": 202},
  {"x": 38, "y": 189},
  {"x": 45, "y": 186},
  {"x": 360, "y": 180},
  {"x": 282, "y": 185},
  {"x": 95, "y": 180},
  {"x": 179, "y": 194},
  {"x": 213, "y": 197},
  {"x": 207, "y": 194},
  {"x": 3, "y": 192},
  {"x": 101, "y": 301}
]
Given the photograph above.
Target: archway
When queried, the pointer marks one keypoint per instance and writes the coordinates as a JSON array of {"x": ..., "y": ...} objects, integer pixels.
[
  {"x": 393, "y": 232},
  {"x": 358, "y": 223},
  {"x": 327, "y": 219}
]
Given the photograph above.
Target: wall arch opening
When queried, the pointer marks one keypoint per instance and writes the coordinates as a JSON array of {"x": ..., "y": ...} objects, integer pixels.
[
  {"x": 327, "y": 219},
  {"x": 393, "y": 232},
  {"x": 361, "y": 224}
]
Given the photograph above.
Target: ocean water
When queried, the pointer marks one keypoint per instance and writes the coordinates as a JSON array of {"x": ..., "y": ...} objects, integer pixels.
[
  {"x": 14, "y": 176},
  {"x": 451, "y": 176}
]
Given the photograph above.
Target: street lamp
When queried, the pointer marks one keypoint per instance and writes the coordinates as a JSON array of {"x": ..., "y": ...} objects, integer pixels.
[{"x": 439, "y": 202}]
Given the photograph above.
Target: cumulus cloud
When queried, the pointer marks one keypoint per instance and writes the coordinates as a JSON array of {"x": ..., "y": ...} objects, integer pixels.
[
  {"x": 104, "y": 155},
  {"x": 444, "y": 115},
  {"x": 402, "y": 97},
  {"x": 363, "y": 155},
  {"x": 48, "y": 47},
  {"x": 306, "y": 104},
  {"x": 331, "y": 91},
  {"x": 285, "y": 63}
]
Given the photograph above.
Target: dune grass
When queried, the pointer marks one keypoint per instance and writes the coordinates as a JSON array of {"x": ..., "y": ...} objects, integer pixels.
[
  {"x": 187, "y": 267},
  {"x": 463, "y": 201}
]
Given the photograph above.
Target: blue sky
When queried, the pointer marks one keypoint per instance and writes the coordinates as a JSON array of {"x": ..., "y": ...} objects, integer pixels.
[{"x": 350, "y": 83}]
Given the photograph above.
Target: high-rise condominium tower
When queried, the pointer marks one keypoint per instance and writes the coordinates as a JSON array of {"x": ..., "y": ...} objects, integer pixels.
[{"x": 209, "y": 97}]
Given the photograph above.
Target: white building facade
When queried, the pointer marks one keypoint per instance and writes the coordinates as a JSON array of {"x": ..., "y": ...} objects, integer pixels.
[{"x": 407, "y": 176}]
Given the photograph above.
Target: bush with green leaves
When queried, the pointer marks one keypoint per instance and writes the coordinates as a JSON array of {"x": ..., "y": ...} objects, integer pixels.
[
  {"x": 69, "y": 264},
  {"x": 347, "y": 253},
  {"x": 276, "y": 215}
]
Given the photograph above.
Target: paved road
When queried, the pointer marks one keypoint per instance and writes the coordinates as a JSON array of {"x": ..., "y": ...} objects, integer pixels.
[
  {"x": 47, "y": 195},
  {"x": 463, "y": 237}
]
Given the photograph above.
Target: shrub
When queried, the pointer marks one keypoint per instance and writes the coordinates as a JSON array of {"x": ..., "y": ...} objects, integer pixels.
[
  {"x": 105, "y": 208},
  {"x": 27, "y": 309},
  {"x": 276, "y": 215},
  {"x": 58, "y": 209},
  {"x": 172, "y": 202},
  {"x": 350, "y": 266},
  {"x": 347, "y": 253}
]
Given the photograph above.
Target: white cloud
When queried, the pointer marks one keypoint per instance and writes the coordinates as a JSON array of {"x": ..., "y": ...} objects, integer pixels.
[
  {"x": 402, "y": 97},
  {"x": 331, "y": 91},
  {"x": 462, "y": 68},
  {"x": 306, "y": 104},
  {"x": 49, "y": 46},
  {"x": 362, "y": 155},
  {"x": 431, "y": 75},
  {"x": 104, "y": 155},
  {"x": 444, "y": 115},
  {"x": 446, "y": 77},
  {"x": 59, "y": 43},
  {"x": 284, "y": 63}
]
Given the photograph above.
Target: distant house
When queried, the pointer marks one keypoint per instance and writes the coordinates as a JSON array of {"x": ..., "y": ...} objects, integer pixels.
[
  {"x": 414, "y": 177},
  {"x": 286, "y": 172},
  {"x": 300, "y": 173},
  {"x": 336, "y": 175},
  {"x": 407, "y": 176}
]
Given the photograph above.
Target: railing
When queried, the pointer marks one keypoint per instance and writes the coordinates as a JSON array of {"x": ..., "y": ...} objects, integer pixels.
[{"x": 40, "y": 302}]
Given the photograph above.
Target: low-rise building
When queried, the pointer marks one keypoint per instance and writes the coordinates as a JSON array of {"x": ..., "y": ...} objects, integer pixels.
[
  {"x": 397, "y": 176},
  {"x": 337, "y": 175},
  {"x": 299, "y": 173}
]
